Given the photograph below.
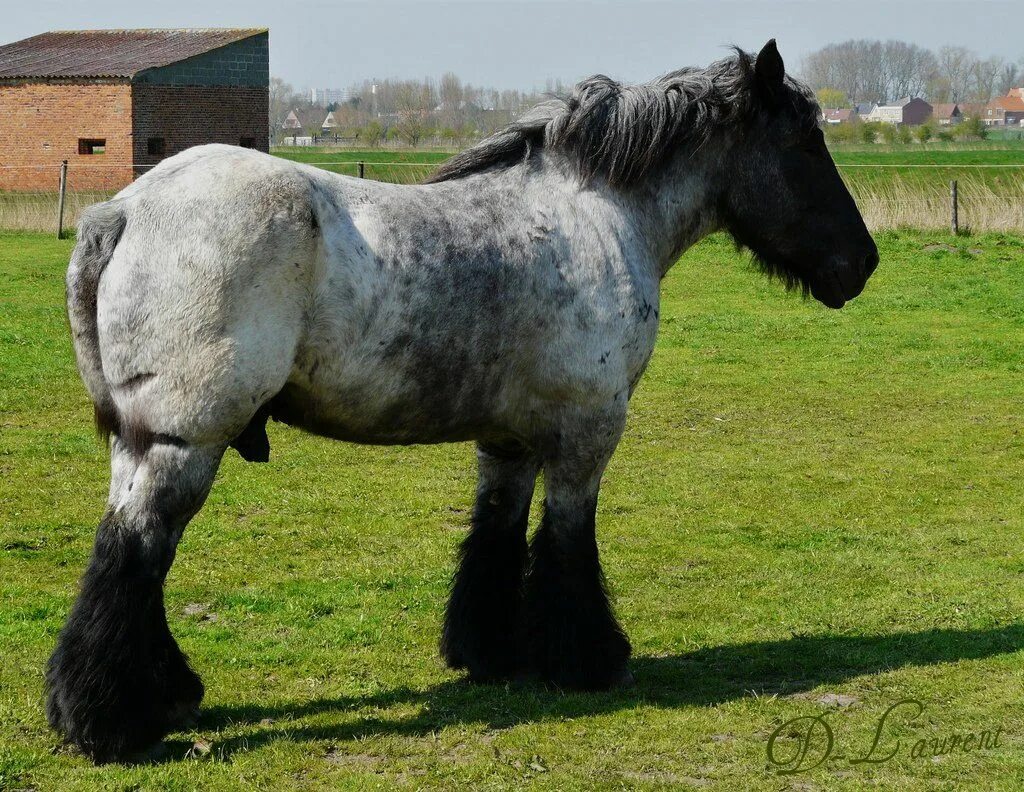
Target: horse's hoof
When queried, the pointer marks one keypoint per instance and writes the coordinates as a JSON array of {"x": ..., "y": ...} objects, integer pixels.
[{"x": 625, "y": 680}]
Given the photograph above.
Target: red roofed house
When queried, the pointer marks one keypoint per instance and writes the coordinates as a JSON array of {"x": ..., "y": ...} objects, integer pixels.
[
  {"x": 119, "y": 101},
  {"x": 840, "y": 115},
  {"x": 1006, "y": 110},
  {"x": 947, "y": 114}
]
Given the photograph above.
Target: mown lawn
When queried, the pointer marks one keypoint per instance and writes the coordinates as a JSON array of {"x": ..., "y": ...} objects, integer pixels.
[
  {"x": 402, "y": 166},
  {"x": 811, "y": 513}
]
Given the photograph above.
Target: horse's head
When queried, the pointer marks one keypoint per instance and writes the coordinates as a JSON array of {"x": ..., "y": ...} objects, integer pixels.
[{"x": 784, "y": 199}]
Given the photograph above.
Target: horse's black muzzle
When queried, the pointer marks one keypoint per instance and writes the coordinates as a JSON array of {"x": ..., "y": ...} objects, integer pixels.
[{"x": 843, "y": 278}]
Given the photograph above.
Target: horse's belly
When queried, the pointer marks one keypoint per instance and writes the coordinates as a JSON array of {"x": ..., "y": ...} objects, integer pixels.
[{"x": 364, "y": 418}]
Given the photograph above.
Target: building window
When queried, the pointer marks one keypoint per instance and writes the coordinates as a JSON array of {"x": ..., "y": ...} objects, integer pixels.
[
  {"x": 247, "y": 142},
  {"x": 156, "y": 147},
  {"x": 92, "y": 146}
]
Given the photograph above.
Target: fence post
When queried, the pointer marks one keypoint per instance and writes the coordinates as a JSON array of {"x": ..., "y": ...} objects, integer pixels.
[
  {"x": 954, "y": 218},
  {"x": 361, "y": 167},
  {"x": 60, "y": 198}
]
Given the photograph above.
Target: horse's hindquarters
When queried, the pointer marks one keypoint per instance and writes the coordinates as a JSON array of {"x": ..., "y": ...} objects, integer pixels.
[{"x": 198, "y": 314}]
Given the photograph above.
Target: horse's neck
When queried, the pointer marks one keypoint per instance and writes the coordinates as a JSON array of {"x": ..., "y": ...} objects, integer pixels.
[{"x": 677, "y": 206}]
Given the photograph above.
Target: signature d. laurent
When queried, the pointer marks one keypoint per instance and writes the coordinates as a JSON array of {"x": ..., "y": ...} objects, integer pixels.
[{"x": 808, "y": 741}]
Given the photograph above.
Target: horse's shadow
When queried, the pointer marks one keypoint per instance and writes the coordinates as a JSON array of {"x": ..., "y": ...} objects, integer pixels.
[{"x": 701, "y": 678}]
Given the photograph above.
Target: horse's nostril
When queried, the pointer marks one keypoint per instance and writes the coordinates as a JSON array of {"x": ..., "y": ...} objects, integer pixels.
[{"x": 870, "y": 263}]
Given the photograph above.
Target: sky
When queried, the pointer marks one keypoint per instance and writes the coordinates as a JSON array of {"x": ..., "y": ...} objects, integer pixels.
[{"x": 501, "y": 44}]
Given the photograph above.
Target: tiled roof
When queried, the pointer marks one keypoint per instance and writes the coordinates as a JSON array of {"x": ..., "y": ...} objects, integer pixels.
[
  {"x": 1012, "y": 103},
  {"x": 944, "y": 110},
  {"x": 110, "y": 53}
]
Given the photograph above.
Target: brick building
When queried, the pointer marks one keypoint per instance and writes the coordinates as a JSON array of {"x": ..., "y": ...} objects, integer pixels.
[
  {"x": 1006, "y": 110},
  {"x": 115, "y": 102}
]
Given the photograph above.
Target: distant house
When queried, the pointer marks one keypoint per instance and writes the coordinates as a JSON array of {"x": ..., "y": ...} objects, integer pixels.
[
  {"x": 292, "y": 123},
  {"x": 330, "y": 124},
  {"x": 863, "y": 108},
  {"x": 947, "y": 114},
  {"x": 908, "y": 111},
  {"x": 840, "y": 115},
  {"x": 972, "y": 109},
  {"x": 302, "y": 124},
  {"x": 1006, "y": 110}
]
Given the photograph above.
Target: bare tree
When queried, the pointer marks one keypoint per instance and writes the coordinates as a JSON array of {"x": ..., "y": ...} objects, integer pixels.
[
  {"x": 1010, "y": 76},
  {"x": 282, "y": 100},
  {"x": 907, "y": 68},
  {"x": 985, "y": 77},
  {"x": 413, "y": 103},
  {"x": 956, "y": 66}
]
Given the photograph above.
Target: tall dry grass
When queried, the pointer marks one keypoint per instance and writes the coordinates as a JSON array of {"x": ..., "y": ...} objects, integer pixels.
[
  {"x": 923, "y": 204},
  {"x": 37, "y": 211},
  {"x": 886, "y": 202}
]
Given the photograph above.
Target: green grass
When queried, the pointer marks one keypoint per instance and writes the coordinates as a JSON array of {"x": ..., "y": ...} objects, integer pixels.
[
  {"x": 805, "y": 504},
  {"x": 379, "y": 164},
  {"x": 927, "y": 170}
]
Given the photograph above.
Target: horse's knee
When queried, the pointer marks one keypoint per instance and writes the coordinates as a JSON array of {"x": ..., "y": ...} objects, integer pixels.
[{"x": 161, "y": 485}]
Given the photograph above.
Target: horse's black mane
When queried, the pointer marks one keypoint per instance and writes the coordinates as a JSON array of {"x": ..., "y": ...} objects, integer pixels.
[{"x": 621, "y": 132}]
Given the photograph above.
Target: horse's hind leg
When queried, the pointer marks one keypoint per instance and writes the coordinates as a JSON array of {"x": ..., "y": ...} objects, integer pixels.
[
  {"x": 117, "y": 682},
  {"x": 575, "y": 640},
  {"x": 483, "y": 626}
]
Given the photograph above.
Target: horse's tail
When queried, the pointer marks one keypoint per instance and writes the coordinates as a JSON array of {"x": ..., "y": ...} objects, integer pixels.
[{"x": 99, "y": 231}]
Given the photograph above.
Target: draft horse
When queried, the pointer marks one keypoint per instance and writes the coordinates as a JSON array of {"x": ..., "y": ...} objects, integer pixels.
[{"x": 511, "y": 300}]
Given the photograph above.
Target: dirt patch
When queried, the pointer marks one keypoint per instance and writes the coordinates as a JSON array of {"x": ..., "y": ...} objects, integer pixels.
[{"x": 361, "y": 761}]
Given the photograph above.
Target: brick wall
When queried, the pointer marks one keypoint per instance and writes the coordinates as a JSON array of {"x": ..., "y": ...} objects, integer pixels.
[
  {"x": 184, "y": 116},
  {"x": 41, "y": 124},
  {"x": 218, "y": 97}
]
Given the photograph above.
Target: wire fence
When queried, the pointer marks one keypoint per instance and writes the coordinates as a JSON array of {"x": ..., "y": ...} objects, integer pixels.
[{"x": 990, "y": 197}]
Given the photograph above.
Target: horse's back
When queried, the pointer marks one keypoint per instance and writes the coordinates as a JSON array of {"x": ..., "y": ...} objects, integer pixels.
[{"x": 201, "y": 305}]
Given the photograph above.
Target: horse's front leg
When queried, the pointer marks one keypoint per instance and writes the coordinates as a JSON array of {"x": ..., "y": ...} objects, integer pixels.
[
  {"x": 117, "y": 681},
  {"x": 483, "y": 625},
  {"x": 575, "y": 640}
]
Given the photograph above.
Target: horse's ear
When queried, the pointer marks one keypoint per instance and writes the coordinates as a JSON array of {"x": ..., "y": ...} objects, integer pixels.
[{"x": 769, "y": 70}]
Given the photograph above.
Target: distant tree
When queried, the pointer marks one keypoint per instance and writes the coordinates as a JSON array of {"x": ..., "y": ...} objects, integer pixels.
[
  {"x": 972, "y": 128},
  {"x": 938, "y": 88},
  {"x": 945, "y": 135},
  {"x": 888, "y": 132},
  {"x": 865, "y": 69},
  {"x": 840, "y": 133},
  {"x": 903, "y": 134},
  {"x": 869, "y": 131},
  {"x": 282, "y": 100},
  {"x": 372, "y": 133},
  {"x": 924, "y": 132},
  {"x": 956, "y": 65},
  {"x": 831, "y": 97},
  {"x": 1010, "y": 77},
  {"x": 413, "y": 104},
  {"x": 985, "y": 78},
  {"x": 906, "y": 68}
]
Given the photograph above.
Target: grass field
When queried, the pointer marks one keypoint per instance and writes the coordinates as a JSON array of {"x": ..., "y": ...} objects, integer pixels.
[
  {"x": 811, "y": 513},
  {"x": 384, "y": 165}
]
